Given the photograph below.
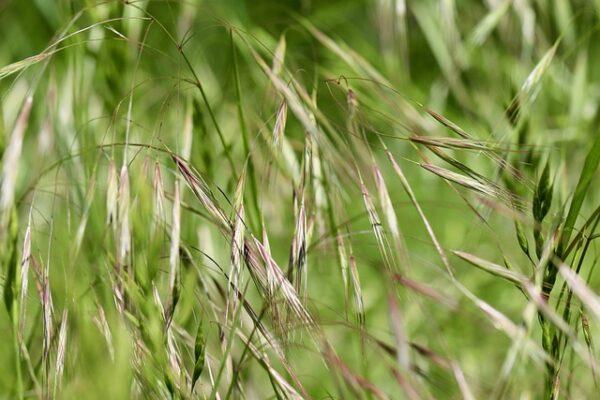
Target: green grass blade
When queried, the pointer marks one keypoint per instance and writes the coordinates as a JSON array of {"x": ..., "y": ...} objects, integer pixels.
[{"x": 590, "y": 166}]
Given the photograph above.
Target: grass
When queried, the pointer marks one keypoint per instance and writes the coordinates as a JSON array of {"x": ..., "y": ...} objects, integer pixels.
[{"x": 299, "y": 199}]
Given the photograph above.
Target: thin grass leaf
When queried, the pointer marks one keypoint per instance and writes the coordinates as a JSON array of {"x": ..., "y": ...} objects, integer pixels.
[
  {"x": 246, "y": 140},
  {"x": 10, "y": 263},
  {"x": 430, "y": 27},
  {"x": 588, "y": 171},
  {"x": 89, "y": 198},
  {"x": 485, "y": 27},
  {"x": 417, "y": 206}
]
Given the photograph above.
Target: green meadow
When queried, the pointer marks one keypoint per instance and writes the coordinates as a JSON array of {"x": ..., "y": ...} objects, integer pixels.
[{"x": 299, "y": 199}]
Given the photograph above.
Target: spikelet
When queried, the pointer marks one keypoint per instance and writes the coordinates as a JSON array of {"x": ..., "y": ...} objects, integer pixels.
[
  {"x": 449, "y": 124},
  {"x": 282, "y": 284},
  {"x": 298, "y": 251},
  {"x": 61, "y": 351},
  {"x": 45, "y": 296},
  {"x": 280, "y": 122},
  {"x": 123, "y": 238},
  {"x": 22, "y": 64},
  {"x": 158, "y": 302},
  {"x": 174, "y": 272},
  {"x": 279, "y": 56},
  {"x": 343, "y": 261},
  {"x": 102, "y": 324},
  {"x": 487, "y": 189},
  {"x": 253, "y": 249},
  {"x": 316, "y": 175},
  {"x": 385, "y": 203},
  {"x": 376, "y": 225},
  {"x": 494, "y": 269},
  {"x": 202, "y": 193},
  {"x": 25, "y": 262},
  {"x": 174, "y": 356},
  {"x": 358, "y": 297},
  {"x": 237, "y": 239}
]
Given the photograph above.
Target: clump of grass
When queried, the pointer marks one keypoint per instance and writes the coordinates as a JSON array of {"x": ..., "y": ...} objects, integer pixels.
[{"x": 216, "y": 201}]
